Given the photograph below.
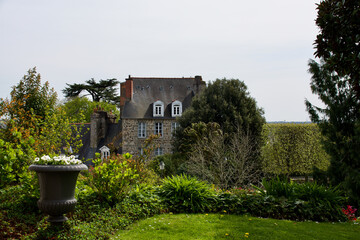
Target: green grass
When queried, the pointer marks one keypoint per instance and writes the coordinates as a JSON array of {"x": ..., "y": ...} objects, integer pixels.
[{"x": 216, "y": 226}]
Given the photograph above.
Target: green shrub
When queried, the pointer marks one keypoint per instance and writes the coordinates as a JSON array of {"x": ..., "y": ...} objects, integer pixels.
[
  {"x": 18, "y": 212},
  {"x": 93, "y": 218},
  {"x": 293, "y": 149},
  {"x": 186, "y": 194},
  {"x": 229, "y": 202},
  {"x": 112, "y": 178},
  {"x": 14, "y": 162},
  {"x": 289, "y": 200},
  {"x": 174, "y": 164},
  {"x": 278, "y": 188}
]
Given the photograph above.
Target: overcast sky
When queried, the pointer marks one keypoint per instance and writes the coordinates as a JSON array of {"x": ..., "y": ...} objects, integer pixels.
[{"x": 265, "y": 43}]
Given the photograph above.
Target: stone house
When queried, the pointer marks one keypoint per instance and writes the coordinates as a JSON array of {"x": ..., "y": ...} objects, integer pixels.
[
  {"x": 150, "y": 106},
  {"x": 147, "y": 106}
]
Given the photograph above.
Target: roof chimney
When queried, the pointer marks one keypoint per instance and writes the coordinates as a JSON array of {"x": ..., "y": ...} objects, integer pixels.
[
  {"x": 126, "y": 91},
  {"x": 199, "y": 84}
]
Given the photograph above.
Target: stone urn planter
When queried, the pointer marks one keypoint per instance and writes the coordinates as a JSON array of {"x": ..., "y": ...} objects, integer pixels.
[{"x": 57, "y": 189}]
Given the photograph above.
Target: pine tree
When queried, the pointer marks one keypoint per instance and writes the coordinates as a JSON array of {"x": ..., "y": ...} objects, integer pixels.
[{"x": 104, "y": 90}]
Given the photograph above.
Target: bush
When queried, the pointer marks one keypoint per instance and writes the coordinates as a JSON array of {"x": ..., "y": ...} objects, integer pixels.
[
  {"x": 18, "y": 212},
  {"x": 227, "y": 201},
  {"x": 226, "y": 160},
  {"x": 14, "y": 162},
  {"x": 307, "y": 201},
  {"x": 92, "y": 219},
  {"x": 186, "y": 194},
  {"x": 111, "y": 179},
  {"x": 293, "y": 149},
  {"x": 277, "y": 187},
  {"x": 174, "y": 164}
]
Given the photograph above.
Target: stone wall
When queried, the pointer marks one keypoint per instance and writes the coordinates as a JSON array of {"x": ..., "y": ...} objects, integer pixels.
[
  {"x": 131, "y": 143},
  {"x": 100, "y": 120}
]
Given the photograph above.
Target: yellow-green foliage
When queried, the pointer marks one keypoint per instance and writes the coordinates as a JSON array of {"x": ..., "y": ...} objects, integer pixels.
[{"x": 292, "y": 149}]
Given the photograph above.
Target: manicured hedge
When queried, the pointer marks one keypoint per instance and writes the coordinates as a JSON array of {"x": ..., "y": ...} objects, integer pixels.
[{"x": 292, "y": 149}]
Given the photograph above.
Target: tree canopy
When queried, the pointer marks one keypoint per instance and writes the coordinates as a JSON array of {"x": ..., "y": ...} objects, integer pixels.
[
  {"x": 33, "y": 126},
  {"x": 335, "y": 79},
  {"x": 227, "y": 103},
  {"x": 338, "y": 42},
  {"x": 29, "y": 94},
  {"x": 79, "y": 110},
  {"x": 104, "y": 90}
]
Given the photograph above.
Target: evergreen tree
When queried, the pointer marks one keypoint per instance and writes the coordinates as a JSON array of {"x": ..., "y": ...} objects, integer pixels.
[
  {"x": 335, "y": 79},
  {"x": 104, "y": 90},
  {"x": 228, "y": 103}
]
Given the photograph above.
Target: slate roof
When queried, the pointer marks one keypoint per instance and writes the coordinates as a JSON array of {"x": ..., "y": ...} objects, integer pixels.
[
  {"x": 86, "y": 152},
  {"x": 146, "y": 91}
]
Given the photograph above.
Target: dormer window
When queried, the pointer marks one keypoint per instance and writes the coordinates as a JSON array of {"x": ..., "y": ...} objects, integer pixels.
[
  {"x": 176, "y": 109},
  {"x": 158, "y": 110}
]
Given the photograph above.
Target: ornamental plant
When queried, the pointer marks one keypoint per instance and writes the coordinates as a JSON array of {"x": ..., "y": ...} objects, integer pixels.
[
  {"x": 57, "y": 160},
  {"x": 186, "y": 194},
  {"x": 308, "y": 201},
  {"x": 350, "y": 212},
  {"x": 112, "y": 178}
]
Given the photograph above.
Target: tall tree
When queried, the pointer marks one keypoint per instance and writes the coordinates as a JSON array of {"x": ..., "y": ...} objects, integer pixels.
[
  {"x": 104, "y": 90},
  {"x": 335, "y": 79},
  {"x": 31, "y": 94},
  {"x": 31, "y": 101},
  {"x": 33, "y": 125},
  {"x": 228, "y": 103}
]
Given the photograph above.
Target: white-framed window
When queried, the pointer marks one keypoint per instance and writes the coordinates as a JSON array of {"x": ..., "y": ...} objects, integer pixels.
[
  {"x": 174, "y": 126},
  {"x": 158, "y": 151},
  {"x": 176, "y": 109},
  {"x": 141, "y": 130},
  {"x": 158, "y": 128},
  {"x": 158, "y": 109}
]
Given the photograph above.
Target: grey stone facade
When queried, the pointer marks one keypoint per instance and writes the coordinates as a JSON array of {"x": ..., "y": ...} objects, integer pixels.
[
  {"x": 139, "y": 97},
  {"x": 133, "y": 144},
  {"x": 100, "y": 121}
]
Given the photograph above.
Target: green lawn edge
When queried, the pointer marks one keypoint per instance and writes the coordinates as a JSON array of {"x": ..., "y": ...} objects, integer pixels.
[{"x": 224, "y": 226}]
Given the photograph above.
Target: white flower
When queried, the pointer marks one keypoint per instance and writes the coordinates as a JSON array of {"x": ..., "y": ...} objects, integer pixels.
[
  {"x": 45, "y": 158},
  {"x": 57, "y": 160}
]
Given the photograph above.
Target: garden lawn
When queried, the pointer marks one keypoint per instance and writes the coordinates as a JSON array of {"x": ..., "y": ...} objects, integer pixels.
[{"x": 223, "y": 226}]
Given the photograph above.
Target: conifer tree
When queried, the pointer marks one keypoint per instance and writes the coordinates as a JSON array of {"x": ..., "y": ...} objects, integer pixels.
[
  {"x": 335, "y": 79},
  {"x": 104, "y": 90}
]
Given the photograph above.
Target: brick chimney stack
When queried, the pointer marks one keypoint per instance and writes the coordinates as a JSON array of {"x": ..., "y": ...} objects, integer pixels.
[{"x": 126, "y": 91}]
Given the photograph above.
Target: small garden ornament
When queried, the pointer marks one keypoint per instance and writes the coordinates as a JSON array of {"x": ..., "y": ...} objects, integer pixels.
[{"x": 57, "y": 179}]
